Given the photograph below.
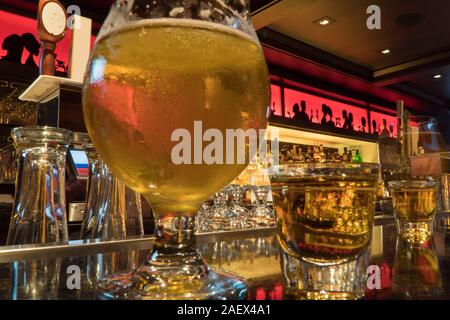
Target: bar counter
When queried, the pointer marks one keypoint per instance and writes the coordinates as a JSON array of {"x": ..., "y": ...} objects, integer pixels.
[{"x": 406, "y": 271}]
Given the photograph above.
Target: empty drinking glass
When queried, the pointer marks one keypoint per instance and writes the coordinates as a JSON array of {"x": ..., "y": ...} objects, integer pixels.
[
  {"x": 262, "y": 214},
  {"x": 113, "y": 211},
  {"x": 236, "y": 215},
  {"x": 39, "y": 213}
]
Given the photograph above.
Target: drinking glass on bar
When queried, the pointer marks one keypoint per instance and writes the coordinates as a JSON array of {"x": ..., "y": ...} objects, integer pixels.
[
  {"x": 415, "y": 205},
  {"x": 324, "y": 220},
  {"x": 39, "y": 213},
  {"x": 159, "y": 69}
]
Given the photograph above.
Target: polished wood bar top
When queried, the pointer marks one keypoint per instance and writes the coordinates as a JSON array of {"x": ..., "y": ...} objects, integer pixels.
[{"x": 406, "y": 271}]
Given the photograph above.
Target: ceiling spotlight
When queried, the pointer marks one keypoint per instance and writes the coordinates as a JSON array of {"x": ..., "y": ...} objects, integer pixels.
[
  {"x": 386, "y": 51},
  {"x": 437, "y": 76},
  {"x": 325, "y": 21}
]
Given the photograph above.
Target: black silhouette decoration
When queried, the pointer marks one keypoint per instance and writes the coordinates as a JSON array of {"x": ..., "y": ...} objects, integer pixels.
[
  {"x": 300, "y": 114},
  {"x": 32, "y": 46},
  {"x": 272, "y": 109},
  {"x": 327, "y": 116},
  {"x": 14, "y": 47},
  {"x": 375, "y": 130},
  {"x": 385, "y": 131},
  {"x": 391, "y": 130},
  {"x": 351, "y": 126},
  {"x": 363, "y": 124},
  {"x": 15, "y": 44},
  {"x": 348, "y": 120}
]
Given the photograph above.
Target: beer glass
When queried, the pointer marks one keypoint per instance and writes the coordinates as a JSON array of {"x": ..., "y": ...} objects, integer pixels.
[
  {"x": 161, "y": 74},
  {"x": 324, "y": 225},
  {"x": 415, "y": 205}
]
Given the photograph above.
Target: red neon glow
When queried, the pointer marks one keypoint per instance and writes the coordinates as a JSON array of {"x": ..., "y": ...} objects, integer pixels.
[
  {"x": 383, "y": 124},
  {"x": 275, "y": 104},
  {"x": 334, "y": 115},
  {"x": 414, "y": 124},
  {"x": 16, "y": 24}
]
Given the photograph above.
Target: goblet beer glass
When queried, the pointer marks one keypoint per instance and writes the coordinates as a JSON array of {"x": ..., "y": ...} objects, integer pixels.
[
  {"x": 161, "y": 74},
  {"x": 324, "y": 220}
]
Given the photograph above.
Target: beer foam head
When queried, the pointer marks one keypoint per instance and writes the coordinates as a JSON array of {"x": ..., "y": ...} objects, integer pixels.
[{"x": 174, "y": 22}]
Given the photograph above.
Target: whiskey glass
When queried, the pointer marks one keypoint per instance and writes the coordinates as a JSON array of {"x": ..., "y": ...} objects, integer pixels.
[
  {"x": 415, "y": 205},
  {"x": 163, "y": 72},
  {"x": 324, "y": 224}
]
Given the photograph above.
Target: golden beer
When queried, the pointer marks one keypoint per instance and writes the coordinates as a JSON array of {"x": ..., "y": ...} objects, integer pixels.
[
  {"x": 156, "y": 76},
  {"x": 415, "y": 205},
  {"x": 323, "y": 215},
  {"x": 324, "y": 221}
]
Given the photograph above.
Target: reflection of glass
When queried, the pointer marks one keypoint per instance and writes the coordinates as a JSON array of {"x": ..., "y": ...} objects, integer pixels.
[
  {"x": 212, "y": 214},
  {"x": 430, "y": 137},
  {"x": 262, "y": 214},
  {"x": 35, "y": 280},
  {"x": 415, "y": 205},
  {"x": 151, "y": 77},
  {"x": 236, "y": 214},
  {"x": 248, "y": 258},
  {"x": 324, "y": 219},
  {"x": 39, "y": 214},
  {"x": 417, "y": 273},
  {"x": 102, "y": 265},
  {"x": 8, "y": 164}
]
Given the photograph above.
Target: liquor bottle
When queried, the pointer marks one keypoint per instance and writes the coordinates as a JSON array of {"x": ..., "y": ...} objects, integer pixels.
[
  {"x": 301, "y": 157},
  {"x": 357, "y": 157},
  {"x": 316, "y": 155},
  {"x": 289, "y": 156},
  {"x": 322, "y": 155},
  {"x": 294, "y": 153},
  {"x": 352, "y": 155},
  {"x": 308, "y": 157},
  {"x": 345, "y": 157},
  {"x": 283, "y": 156}
]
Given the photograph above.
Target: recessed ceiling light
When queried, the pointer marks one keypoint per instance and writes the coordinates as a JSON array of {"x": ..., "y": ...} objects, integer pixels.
[
  {"x": 325, "y": 21},
  {"x": 437, "y": 76},
  {"x": 386, "y": 51}
]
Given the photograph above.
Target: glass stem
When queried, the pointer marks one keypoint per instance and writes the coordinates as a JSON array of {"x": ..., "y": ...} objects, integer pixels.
[{"x": 175, "y": 247}]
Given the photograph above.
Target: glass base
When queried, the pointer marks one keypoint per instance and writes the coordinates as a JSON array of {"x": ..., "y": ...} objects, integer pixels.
[
  {"x": 419, "y": 232},
  {"x": 341, "y": 280},
  {"x": 320, "y": 295},
  {"x": 210, "y": 286},
  {"x": 174, "y": 270}
]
